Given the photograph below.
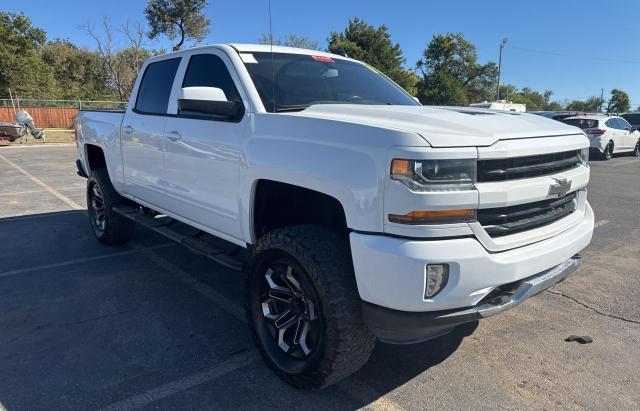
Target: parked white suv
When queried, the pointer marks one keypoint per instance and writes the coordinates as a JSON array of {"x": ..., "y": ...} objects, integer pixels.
[
  {"x": 608, "y": 134},
  {"x": 356, "y": 212}
]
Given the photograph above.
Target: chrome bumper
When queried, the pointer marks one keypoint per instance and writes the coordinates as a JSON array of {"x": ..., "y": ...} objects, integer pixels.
[
  {"x": 530, "y": 287},
  {"x": 402, "y": 327}
]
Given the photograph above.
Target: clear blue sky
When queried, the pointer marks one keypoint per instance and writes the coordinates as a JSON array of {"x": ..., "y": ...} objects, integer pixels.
[{"x": 543, "y": 35}]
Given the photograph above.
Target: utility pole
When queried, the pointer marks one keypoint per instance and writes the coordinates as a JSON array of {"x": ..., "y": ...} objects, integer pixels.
[
  {"x": 504, "y": 41},
  {"x": 601, "y": 99}
]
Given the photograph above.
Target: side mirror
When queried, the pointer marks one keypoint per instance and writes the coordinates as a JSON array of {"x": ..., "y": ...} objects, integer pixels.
[
  {"x": 208, "y": 102},
  {"x": 633, "y": 129}
]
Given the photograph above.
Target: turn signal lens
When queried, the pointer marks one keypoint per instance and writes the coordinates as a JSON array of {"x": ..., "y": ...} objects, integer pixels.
[{"x": 434, "y": 217}]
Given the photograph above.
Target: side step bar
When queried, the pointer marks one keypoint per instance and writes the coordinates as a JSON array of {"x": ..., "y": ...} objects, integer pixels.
[{"x": 215, "y": 249}]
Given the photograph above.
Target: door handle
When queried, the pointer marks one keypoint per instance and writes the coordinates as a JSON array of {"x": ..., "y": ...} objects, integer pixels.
[
  {"x": 174, "y": 136},
  {"x": 127, "y": 129}
]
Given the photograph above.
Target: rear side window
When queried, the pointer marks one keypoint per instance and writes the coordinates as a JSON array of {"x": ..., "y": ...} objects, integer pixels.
[
  {"x": 612, "y": 123},
  {"x": 208, "y": 70},
  {"x": 155, "y": 87},
  {"x": 583, "y": 123}
]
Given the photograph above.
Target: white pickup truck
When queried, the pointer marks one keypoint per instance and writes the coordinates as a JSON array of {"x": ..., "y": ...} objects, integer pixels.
[{"x": 362, "y": 214}]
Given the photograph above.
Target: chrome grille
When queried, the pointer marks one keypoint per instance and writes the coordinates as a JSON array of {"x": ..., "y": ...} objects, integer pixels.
[
  {"x": 525, "y": 167},
  {"x": 513, "y": 219}
]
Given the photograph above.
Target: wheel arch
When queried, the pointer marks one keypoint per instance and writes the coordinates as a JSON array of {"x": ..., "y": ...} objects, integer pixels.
[{"x": 277, "y": 204}]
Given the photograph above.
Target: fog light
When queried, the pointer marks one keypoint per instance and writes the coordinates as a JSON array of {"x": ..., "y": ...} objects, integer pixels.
[{"x": 436, "y": 278}]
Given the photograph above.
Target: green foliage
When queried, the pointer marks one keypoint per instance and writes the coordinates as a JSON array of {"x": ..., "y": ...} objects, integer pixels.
[
  {"x": 177, "y": 19},
  {"x": 373, "y": 46},
  {"x": 619, "y": 101},
  {"x": 592, "y": 104},
  {"x": 291, "y": 40},
  {"x": 21, "y": 67},
  {"x": 534, "y": 100},
  {"x": 78, "y": 72},
  {"x": 451, "y": 74}
]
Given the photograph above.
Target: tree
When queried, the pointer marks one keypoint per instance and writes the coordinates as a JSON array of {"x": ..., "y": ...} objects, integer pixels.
[
  {"x": 177, "y": 19},
  {"x": 373, "y": 46},
  {"x": 21, "y": 67},
  {"x": 619, "y": 101},
  {"x": 534, "y": 100},
  {"x": 121, "y": 66},
  {"x": 291, "y": 40},
  {"x": 592, "y": 104},
  {"x": 450, "y": 61},
  {"x": 78, "y": 72}
]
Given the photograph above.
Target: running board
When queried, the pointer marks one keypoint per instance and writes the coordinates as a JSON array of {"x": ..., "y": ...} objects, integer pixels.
[{"x": 215, "y": 249}]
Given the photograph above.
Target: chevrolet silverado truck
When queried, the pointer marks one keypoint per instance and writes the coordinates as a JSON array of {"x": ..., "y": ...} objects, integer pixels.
[{"x": 356, "y": 213}]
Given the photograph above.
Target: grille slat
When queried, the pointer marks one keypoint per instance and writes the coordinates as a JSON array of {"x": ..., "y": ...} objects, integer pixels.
[
  {"x": 526, "y": 167},
  {"x": 510, "y": 220}
]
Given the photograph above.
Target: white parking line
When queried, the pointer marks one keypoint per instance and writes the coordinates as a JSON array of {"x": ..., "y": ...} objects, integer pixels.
[
  {"x": 81, "y": 260},
  {"x": 234, "y": 363},
  {"x": 39, "y": 182},
  {"x": 600, "y": 223},
  {"x": 231, "y": 307}
]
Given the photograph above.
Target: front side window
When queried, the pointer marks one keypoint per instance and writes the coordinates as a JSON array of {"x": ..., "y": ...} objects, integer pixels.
[
  {"x": 293, "y": 82},
  {"x": 208, "y": 70},
  {"x": 155, "y": 87},
  {"x": 623, "y": 124}
]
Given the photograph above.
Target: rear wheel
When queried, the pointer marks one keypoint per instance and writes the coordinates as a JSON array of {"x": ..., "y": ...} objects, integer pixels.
[
  {"x": 109, "y": 228},
  {"x": 608, "y": 152},
  {"x": 303, "y": 307}
]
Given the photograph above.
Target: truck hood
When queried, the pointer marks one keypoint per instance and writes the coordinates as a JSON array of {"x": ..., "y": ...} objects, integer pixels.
[{"x": 445, "y": 126}]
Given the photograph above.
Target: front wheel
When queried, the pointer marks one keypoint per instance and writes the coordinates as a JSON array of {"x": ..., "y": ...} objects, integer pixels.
[
  {"x": 304, "y": 310},
  {"x": 636, "y": 150}
]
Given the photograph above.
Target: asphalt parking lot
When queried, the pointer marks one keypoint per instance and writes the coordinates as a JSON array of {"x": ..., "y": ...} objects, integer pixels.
[{"x": 150, "y": 325}]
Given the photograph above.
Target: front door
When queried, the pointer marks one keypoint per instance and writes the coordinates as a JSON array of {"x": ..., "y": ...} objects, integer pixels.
[
  {"x": 203, "y": 154},
  {"x": 142, "y": 133}
]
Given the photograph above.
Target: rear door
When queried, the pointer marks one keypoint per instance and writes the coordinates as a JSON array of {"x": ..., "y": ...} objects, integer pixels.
[
  {"x": 143, "y": 129},
  {"x": 629, "y": 138},
  {"x": 616, "y": 135},
  {"x": 203, "y": 154}
]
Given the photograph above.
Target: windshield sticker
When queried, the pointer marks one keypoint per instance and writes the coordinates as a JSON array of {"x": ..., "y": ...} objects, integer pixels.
[
  {"x": 324, "y": 59},
  {"x": 248, "y": 58}
]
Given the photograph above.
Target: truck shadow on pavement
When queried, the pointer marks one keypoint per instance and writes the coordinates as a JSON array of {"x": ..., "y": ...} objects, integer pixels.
[{"x": 84, "y": 326}]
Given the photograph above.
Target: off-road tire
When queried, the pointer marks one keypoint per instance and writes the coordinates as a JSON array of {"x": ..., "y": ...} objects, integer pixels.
[
  {"x": 325, "y": 258},
  {"x": 117, "y": 229}
]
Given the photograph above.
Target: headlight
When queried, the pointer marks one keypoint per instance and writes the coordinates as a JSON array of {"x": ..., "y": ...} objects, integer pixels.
[
  {"x": 584, "y": 156},
  {"x": 435, "y": 175}
]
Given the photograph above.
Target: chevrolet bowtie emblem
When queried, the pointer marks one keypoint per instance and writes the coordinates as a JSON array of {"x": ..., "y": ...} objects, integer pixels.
[{"x": 560, "y": 188}]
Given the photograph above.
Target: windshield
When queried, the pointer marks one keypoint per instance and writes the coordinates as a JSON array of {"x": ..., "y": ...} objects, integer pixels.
[
  {"x": 303, "y": 80},
  {"x": 583, "y": 123}
]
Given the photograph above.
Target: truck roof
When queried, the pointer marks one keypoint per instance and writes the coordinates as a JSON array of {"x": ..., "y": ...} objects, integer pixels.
[{"x": 259, "y": 48}]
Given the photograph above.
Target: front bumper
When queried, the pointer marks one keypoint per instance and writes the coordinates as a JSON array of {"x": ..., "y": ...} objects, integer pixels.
[
  {"x": 401, "y": 327},
  {"x": 390, "y": 271}
]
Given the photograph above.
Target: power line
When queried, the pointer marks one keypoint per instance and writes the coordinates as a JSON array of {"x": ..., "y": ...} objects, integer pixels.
[{"x": 553, "y": 53}]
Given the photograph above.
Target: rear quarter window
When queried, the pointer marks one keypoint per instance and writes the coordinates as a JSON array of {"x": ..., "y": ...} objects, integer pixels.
[{"x": 155, "y": 87}]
